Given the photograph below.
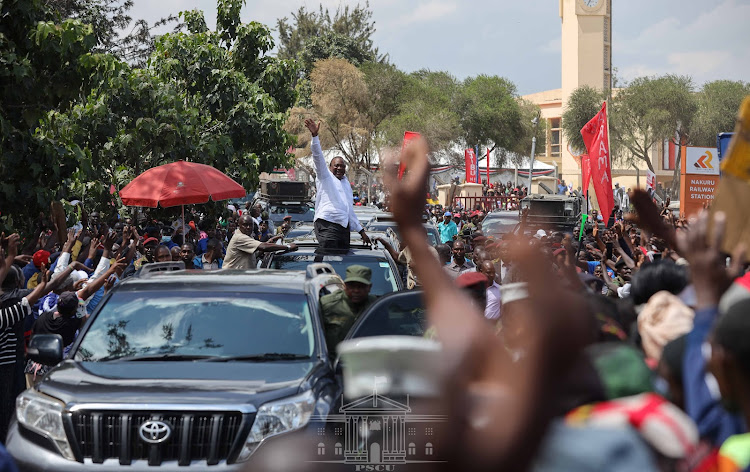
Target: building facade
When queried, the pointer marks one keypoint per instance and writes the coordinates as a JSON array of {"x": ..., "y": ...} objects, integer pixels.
[{"x": 586, "y": 59}]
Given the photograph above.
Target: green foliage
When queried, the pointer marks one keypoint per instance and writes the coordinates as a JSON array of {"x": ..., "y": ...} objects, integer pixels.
[
  {"x": 43, "y": 66},
  {"x": 490, "y": 112},
  {"x": 354, "y": 23},
  {"x": 114, "y": 29},
  {"x": 209, "y": 97},
  {"x": 582, "y": 105},
  {"x": 427, "y": 106},
  {"x": 718, "y": 103},
  {"x": 332, "y": 45},
  {"x": 648, "y": 111}
]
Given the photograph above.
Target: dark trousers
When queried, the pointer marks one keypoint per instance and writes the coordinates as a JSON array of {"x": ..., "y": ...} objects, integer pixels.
[
  {"x": 332, "y": 238},
  {"x": 7, "y": 398}
]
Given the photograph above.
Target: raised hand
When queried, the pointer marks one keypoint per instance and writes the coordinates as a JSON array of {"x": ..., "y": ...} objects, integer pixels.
[
  {"x": 312, "y": 126},
  {"x": 707, "y": 266},
  {"x": 13, "y": 241}
]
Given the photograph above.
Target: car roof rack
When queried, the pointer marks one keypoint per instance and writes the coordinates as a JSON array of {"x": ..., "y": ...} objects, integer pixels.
[{"x": 159, "y": 267}]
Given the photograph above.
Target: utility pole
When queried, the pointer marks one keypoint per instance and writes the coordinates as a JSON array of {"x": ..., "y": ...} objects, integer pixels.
[{"x": 535, "y": 122}]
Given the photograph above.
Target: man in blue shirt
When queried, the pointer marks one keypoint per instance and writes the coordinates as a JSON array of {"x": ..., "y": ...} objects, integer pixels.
[{"x": 447, "y": 228}]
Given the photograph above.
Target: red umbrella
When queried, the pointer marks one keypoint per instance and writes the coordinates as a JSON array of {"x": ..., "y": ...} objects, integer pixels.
[{"x": 180, "y": 183}]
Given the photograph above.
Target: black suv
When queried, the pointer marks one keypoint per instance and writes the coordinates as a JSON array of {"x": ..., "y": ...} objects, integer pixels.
[
  {"x": 386, "y": 277},
  {"x": 182, "y": 368}
]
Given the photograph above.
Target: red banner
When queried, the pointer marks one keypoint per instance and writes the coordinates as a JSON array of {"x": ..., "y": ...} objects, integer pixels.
[
  {"x": 408, "y": 136},
  {"x": 596, "y": 137},
  {"x": 586, "y": 173},
  {"x": 470, "y": 159},
  {"x": 650, "y": 180}
]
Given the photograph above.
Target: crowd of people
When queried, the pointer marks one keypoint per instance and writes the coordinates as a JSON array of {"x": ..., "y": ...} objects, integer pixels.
[{"x": 621, "y": 345}]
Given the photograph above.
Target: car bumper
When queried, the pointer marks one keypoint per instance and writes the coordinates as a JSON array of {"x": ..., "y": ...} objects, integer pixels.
[{"x": 31, "y": 456}]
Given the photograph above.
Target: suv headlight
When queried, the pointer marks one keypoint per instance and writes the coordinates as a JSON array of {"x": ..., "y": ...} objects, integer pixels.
[
  {"x": 281, "y": 416},
  {"x": 43, "y": 415}
]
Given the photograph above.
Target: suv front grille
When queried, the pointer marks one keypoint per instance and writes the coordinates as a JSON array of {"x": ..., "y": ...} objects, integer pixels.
[{"x": 195, "y": 436}]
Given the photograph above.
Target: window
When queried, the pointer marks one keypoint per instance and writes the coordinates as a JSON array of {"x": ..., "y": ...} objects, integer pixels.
[
  {"x": 321, "y": 449},
  {"x": 412, "y": 431},
  {"x": 321, "y": 431},
  {"x": 338, "y": 431},
  {"x": 165, "y": 323},
  {"x": 412, "y": 449},
  {"x": 337, "y": 449},
  {"x": 428, "y": 449},
  {"x": 428, "y": 431},
  {"x": 554, "y": 137}
]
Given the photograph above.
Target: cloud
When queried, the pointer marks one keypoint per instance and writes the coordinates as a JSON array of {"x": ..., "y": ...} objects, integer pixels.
[
  {"x": 428, "y": 12},
  {"x": 707, "y": 45}
]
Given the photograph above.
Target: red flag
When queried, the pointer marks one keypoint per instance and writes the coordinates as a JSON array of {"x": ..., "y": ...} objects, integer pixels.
[
  {"x": 596, "y": 137},
  {"x": 408, "y": 136},
  {"x": 470, "y": 160},
  {"x": 586, "y": 173}
]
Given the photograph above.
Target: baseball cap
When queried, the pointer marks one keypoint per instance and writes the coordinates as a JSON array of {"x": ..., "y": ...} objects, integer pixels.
[
  {"x": 540, "y": 234},
  {"x": 67, "y": 304},
  {"x": 40, "y": 257},
  {"x": 150, "y": 240},
  {"x": 358, "y": 273},
  {"x": 447, "y": 213},
  {"x": 467, "y": 279}
]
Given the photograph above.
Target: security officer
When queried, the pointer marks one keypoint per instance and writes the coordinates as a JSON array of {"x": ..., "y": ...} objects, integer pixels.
[{"x": 341, "y": 309}]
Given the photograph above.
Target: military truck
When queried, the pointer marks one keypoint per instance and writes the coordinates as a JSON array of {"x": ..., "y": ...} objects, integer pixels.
[
  {"x": 282, "y": 198},
  {"x": 555, "y": 212}
]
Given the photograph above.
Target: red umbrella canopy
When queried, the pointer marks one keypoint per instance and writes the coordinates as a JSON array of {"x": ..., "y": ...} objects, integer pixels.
[{"x": 180, "y": 183}]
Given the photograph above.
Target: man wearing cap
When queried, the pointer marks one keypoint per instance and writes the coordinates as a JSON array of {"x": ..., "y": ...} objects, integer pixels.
[
  {"x": 339, "y": 310},
  {"x": 334, "y": 201},
  {"x": 447, "y": 228},
  {"x": 31, "y": 271},
  {"x": 242, "y": 248}
]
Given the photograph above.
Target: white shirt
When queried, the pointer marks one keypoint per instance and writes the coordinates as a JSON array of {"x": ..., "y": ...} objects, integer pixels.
[
  {"x": 334, "y": 201},
  {"x": 494, "y": 301}
]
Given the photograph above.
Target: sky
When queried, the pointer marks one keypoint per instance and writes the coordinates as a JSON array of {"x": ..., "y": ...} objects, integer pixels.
[{"x": 520, "y": 39}]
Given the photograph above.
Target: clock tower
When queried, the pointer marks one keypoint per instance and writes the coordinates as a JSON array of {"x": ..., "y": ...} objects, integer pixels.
[{"x": 586, "y": 56}]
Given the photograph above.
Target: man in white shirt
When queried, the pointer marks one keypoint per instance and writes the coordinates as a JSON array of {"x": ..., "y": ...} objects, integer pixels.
[
  {"x": 494, "y": 302},
  {"x": 334, "y": 202}
]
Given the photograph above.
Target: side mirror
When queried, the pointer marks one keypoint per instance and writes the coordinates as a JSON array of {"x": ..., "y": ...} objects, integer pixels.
[{"x": 46, "y": 349}]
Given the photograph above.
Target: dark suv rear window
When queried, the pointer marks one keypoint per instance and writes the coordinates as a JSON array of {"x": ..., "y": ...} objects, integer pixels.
[{"x": 383, "y": 278}]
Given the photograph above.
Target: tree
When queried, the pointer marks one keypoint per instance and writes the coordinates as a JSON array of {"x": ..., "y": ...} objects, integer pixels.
[
  {"x": 718, "y": 103},
  {"x": 211, "y": 97},
  {"x": 490, "y": 113},
  {"x": 582, "y": 105},
  {"x": 109, "y": 19},
  {"x": 648, "y": 111},
  {"x": 46, "y": 66},
  {"x": 427, "y": 105},
  {"x": 353, "y": 23}
]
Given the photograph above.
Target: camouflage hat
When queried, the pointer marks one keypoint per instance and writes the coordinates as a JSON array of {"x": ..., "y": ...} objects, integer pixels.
[{"x": 358, "y": 273}]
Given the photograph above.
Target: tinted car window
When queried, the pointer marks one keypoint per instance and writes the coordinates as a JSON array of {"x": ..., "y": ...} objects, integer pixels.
[
  {"x": 298, "y": 212},
  {"x": 198, "y": 323},
  {"x": 402, "y": 315},
  {"x": 383, "y": 279},
  {"x": 498, "y": 226}
]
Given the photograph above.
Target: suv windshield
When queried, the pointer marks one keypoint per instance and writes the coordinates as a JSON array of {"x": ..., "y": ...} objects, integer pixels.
[
  {"x": 199, "y": 324},
  {"x": 383, "y": 280}
]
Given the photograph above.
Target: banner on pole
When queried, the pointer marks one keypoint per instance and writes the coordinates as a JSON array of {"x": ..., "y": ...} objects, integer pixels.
[
  {"x": 595, "y": 135},
  {"x": 408, "y": 136},
  {"x": 650, "y": 180},
  {"x": 586, "y": 173},
  {"x": 470, "y": 159}
]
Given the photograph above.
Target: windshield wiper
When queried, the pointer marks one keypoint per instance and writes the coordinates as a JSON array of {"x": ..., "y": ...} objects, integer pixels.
[
  {"x": 269, "y": 356},
  {"x": 161, "y": 357}
]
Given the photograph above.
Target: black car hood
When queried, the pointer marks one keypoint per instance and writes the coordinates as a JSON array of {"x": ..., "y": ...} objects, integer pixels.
[{"x": 173, "y": 382}]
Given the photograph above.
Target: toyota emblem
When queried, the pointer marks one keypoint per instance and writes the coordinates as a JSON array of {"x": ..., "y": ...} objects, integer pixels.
[{"x": 155, "y": 432}]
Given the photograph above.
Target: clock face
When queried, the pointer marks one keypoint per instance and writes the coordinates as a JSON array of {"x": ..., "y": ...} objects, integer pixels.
[{"x": 591, "y": 3}]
